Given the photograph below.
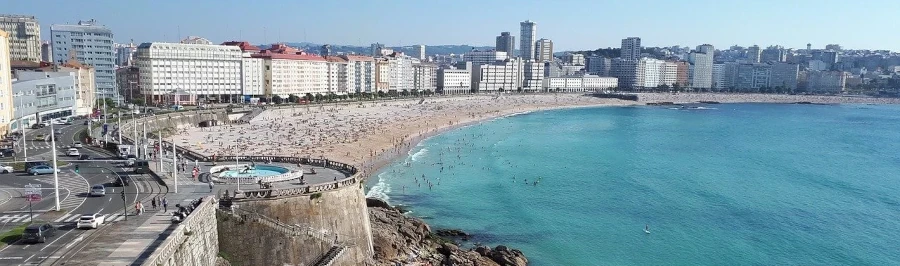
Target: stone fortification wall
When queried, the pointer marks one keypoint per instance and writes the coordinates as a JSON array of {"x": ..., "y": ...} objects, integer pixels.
[
  {"x": 338, "y": 216},
  {"x": 195, "y": 241}
]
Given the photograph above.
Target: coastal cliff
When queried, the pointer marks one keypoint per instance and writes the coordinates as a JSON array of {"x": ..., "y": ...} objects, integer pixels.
[{"x": 400, "y": 238}]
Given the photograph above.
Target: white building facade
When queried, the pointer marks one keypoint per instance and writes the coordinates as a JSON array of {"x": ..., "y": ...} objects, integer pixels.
[
  {"x": 528, "y": 35},
  {"x": 93, "y": 44},
  {"x": 506, "y": 75},
  {"x": 484, "y": 57},
  {"x": 454, "y": 81},
  {"x": 6, "y": 94},
  {"x": 189, "y": 71},
  {"x": 24, "y": 37},
  {"x": 580, "y": 83},
  {"x": 360, "y": 73},
  {"x": 425, "y": 77}
]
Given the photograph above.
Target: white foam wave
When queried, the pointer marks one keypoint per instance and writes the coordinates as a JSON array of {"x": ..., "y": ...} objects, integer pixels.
[
  {"x": 419, "y": 154},
  {"x": 380, "y": 190}
]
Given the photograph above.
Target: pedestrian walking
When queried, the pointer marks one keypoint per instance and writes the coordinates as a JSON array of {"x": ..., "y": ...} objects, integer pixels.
[
  {"x": 165, "y": 204},
  {"x": 210, "y": 186}
]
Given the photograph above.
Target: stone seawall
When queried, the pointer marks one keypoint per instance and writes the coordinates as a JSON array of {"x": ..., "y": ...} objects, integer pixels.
[
  {"x": 195, "y": 241},
  {"x": 338, "y": 215}
]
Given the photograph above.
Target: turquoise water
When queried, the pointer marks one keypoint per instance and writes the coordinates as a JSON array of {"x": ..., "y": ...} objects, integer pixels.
[
  {"x": 257, "y": 171},
  {"x": 741, "y": 184}
]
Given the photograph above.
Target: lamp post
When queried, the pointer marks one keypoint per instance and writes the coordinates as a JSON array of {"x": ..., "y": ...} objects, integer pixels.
[
  {"x": 55, "y": 169},
  {"x": 22, "y": 127}
]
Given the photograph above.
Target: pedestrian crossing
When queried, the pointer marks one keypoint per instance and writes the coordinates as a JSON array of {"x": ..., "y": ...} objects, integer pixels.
[
  {"x": 73, "y": 217},
  {"x": 74, "y": 183},
  {"x": 68, "y": 218}
]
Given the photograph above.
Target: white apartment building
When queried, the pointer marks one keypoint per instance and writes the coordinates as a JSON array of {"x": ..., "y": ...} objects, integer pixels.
[
  {"x": 382, "y": 74},
  {"x": 543, "y": 50},
  {"x": 360, "y": 73},
  {"x": 506, "y": 75},
  {"x": 598, "y": 65},
  {"x": 337, "y": 75},
  {"x": 93, "y": 44},
  {"x": 532, "y": 76},
  {"x": 702, "y": 60},
  {"x": 668, "y": 73},
  {"x": 253, "y": 76},
  {"x": 401, "y": 72},
  {"x": 718, "y": 76},
  {"x": 84, "y": 84},
  {"x": 425, "y": 77},
  {"x": 484, "y": 57},
  {"x": 189, "y": 72},
  {"x": 454, "y": 81},
  {"x": 580, "y": 83},
  {"x": 652, "y": 76},
  {"x": 831, "y": 82},
  {"x": 295, "y": 74},
  {"x": 641, "y": 74},
  {"x": 6, "y": 94},
  {"x": 24, "y": 37},
  {"x": 573, "y": 59}
]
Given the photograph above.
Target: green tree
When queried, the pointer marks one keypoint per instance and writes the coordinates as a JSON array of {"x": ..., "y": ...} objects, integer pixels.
[
  {"x": 381, "y": 94},
  {"x": 319, "y": 97},
  {"x": 500, "y": 90},
  {"x": 277, "y": 99},
  {"x": 293, "y": 98},
  {"x": 429, "y": 92},
  {"x": 309, "y": 97},
  {"x": 519, "y": 89}
]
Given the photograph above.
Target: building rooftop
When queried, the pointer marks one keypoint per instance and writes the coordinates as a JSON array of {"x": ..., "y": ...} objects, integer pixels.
[
  {"x": 281, "y": 51},
  {"x": 358, "y": 58},
  {"x": 245, "y": 46}
]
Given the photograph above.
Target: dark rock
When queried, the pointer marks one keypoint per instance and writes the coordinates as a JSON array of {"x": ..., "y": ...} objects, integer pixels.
[
  {"x": 373, "y": 202},
  {"x": 454, "y": 233}
]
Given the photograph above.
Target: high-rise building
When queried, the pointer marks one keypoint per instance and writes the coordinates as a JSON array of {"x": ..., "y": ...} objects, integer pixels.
[
  {"x": 832, "y": 82},
  {"x": 631, "y": 48},
  {"x": 402, "y": 74},
  {"x": 252, "y": 71},
  {"x": 773, "y": 53},
  {"x": 187, "y": 73},
  {"x": 543, "y": 50},
  {"x": 336, "y": 75},
  {"x": 24, "y": 37},
  {"x": 419, "y": 51},
  {"x": 573, "y": 59},
  {"x": 484, "y": 57},
  {"x": 784, "y": 75},
  {"x": 597, "y": 65},
  {"x": 46, "y": 52},
  {"x": 376, "y": 49},
  {"x": 125, "y": 54},
  {"x": 506, "y": 43},
  {"x": 6, "y": 94},
  {"x": 325, "y": 50},
  {"x": 93, "y": 44},
  {"x": 505, "y": 75},
  {"x": 718, "y": 76},
  {"x": 753, "y": 54},
  {"x": 532, "y": 76},
  {"x": 639, "y": 74},
  {"x": 454, "y": 81},
  {"x": 527, "y": 37},
  {"x": 424, "y": 77},
  {"x": 702, "y": 60},
  {"x": 360, "y": 73}
]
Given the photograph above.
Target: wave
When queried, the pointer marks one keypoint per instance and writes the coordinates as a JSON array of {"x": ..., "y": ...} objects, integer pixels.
[
  {"x": 380, "y": 190},
  {"x": 415, "y": 157}
]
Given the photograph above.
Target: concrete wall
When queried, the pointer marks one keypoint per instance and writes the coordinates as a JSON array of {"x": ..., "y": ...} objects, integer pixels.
[
  {"x": 193, "y": 242},
  {"x": 341, "y": 211}
]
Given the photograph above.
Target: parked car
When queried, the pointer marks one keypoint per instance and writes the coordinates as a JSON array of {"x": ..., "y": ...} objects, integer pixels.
[
  {"x": 41, "y": 169},
  {"x": 38, "y": 233},
  {"x": 77, "y": 144},
  {"x": 92, "y": 221},
  {"x": 73, "y": 152},
  {"x": 98, "y": 191},
  {"x": 85, "y": 122},
  {"x": 5, "y": 169},
  {"x": 7, "y": 152},
  {"x": 36, "y": 126}
]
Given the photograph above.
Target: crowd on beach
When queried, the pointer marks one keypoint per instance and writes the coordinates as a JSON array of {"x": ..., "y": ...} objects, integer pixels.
[{"x": 370, "y": 134}]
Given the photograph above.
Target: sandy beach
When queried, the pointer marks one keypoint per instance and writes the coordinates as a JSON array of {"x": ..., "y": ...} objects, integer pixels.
[{"x": 370, "y": 134}]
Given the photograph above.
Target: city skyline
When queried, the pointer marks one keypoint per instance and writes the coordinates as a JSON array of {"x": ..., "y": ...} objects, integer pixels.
[{"x": 721, "y": 24}]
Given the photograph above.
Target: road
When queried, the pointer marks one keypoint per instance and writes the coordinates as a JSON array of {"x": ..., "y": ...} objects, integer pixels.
[{"x": 73, "y": 197}]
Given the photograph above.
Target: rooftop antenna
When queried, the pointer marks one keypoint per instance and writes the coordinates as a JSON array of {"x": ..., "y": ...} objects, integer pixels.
[{"x": 179, "y": 34}]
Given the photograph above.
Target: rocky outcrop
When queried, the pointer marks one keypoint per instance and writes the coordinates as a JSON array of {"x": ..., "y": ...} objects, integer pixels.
[{"x": 404, "y": 239}]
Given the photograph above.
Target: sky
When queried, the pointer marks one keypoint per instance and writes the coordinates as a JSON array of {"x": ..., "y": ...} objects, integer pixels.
[{"x": 571, "y": 24}]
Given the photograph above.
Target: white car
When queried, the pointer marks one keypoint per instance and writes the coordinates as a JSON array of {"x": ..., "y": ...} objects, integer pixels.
[
  {"x": 98, "y": 191},
  {"x": 77, "y": 144},
  {"x": 93, "y": 220},
  {"x": 6, "y": 169},
  {"x": 73, "y": 152}
]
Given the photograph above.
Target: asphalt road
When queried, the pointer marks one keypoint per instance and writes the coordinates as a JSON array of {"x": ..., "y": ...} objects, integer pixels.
[{"x": 73, "y": 196}]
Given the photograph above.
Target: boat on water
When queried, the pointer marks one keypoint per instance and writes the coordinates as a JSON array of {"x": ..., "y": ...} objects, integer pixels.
[{"x": 647, "y": 229}]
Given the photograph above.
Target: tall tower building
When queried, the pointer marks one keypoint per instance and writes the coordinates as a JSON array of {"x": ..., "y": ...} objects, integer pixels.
[
  {"x": 753, "y": 54},
  {"x": 46, "y": 52},
  {"x": 93, "y": 45},
  {"x": 544, "y": 50},
  {"x": 24, "y": 37},
  {"x": 527, "y": 38},
  {"x": 506, "y": 43},
  {"x": 631, "y": 48},
  {"x": 6, "y": 100},
  {"x": 702, "y": 60},
  {"x": 419, "y": 51}
]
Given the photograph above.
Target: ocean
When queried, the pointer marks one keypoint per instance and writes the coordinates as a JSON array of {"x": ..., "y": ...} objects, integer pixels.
[{"x": 730, "y": 184}]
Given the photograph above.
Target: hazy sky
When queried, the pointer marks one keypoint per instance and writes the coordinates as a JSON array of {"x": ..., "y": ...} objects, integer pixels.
[{"x": 571, "y": 24}]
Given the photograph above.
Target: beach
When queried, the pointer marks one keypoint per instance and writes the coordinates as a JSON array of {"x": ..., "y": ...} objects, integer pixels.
[{"x": 371, "y": 134}]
